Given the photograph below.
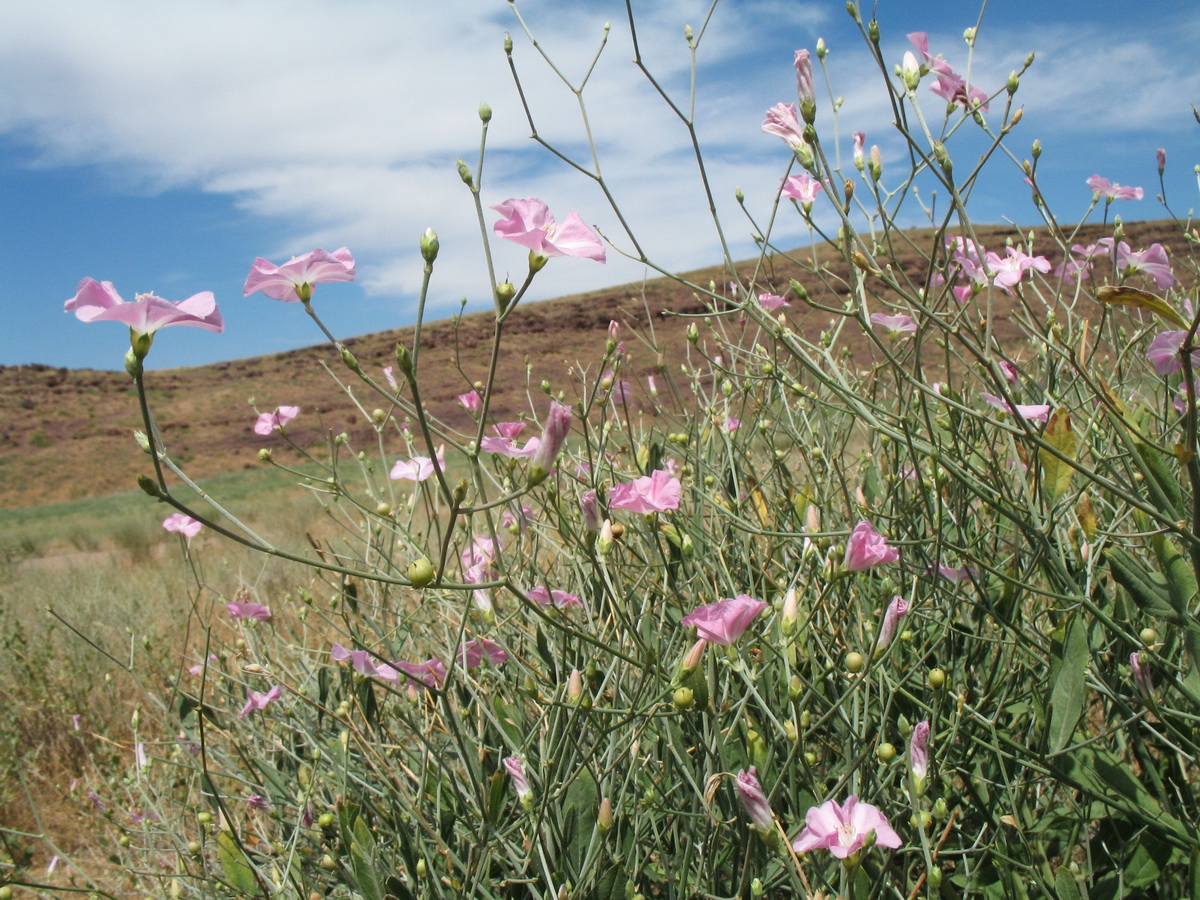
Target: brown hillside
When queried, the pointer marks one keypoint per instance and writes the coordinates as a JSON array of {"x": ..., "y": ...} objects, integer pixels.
[{"x": 66, "y": 434}]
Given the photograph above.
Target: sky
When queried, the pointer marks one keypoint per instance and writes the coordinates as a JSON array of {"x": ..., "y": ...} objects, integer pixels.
[{"x": 164, "y": 146}]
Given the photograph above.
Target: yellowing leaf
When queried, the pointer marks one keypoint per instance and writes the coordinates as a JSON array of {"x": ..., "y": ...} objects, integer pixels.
[
  {"x": 1056, "y": 473},
  {"x": 1127, "y": 296}
]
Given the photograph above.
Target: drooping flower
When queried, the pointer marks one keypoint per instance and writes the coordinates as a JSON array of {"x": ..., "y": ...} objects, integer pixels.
[
  {"x": 656, "y": 492},
  {"x": 895, "y": 611},
  {"x": 185, "y": 525},
  {"x": 1110, "y": 190},
  {"x": 1152, "y": 262},
  {"x": 431, "y": 673},
  {"x": 255, "y": 611},
  {"x": 1141, "y": 674},
  {"x": 918, "y": 756},
  {"x": 755, "y": 801},
  {"x": 1034, "y": 412},
  {"x": 294, "y": 280},
  {"x": 364, "y": 663},
  {"x": 529, "y": 223},
  {"x": 473, "y": 653},
  {"x": 781, "y": 120},
  {"x": 802, "y": 187},
  {"x": 257, "y": 801},
  {"x": 725, "y": 621},
  {"x": 260, "y": 700},
  {"x": 772, "y": 302},
  {"x": 96, "y": 301},
  {"x": 867, "y": 547},
  {"x": 842, "y": 830},
  {"x": 274, "y": 421},
  {"x": 950, "y": 86},
  {"x": 516, "y": 771},
  {"x": 418, "y": 468},
  {"x": 554, "y": 435},
  {"x": 590, "y": 509},
  {"x": 1163, "y": 352},
  {"x": 894, "y": 325}
]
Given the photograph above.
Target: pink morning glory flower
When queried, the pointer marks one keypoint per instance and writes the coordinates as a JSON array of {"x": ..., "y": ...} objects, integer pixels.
[
  {"x": 431, "y": 673},
  {"x": 1110, "y": 190},
  {"x": 804, "y": 77},
  {"x": 274, "y": 421},
  {"x": 473, "y": 653},
  {"x": 471, "y": 401},
  {"x": 725, "y": 621},
  {"x": 508, "y": 447},
  {"x": 96, "y": 301},
  {"x": 257, "y": 801},
  {"x": 802, "y": 187},
  {"x": 294, "y": 280},
  {"x": 781, "y": 120},
  {"x": 950, "y": 86},
  {"x": 185, "y": 525},
  {"x": 255, "y": 611},
  {"x": 656, "y": 492},
  {"x": 894, "y": 325},
  {"x": 1141, "y": 673},
  {"x": 260, "y": 700},
  {"x": 1007, "y": 272},
  {"x": 1163, "y": 352},
  {"x": 529, "y": 223},
  {"x": 1036, "y": 412},
  {"x": 418, "y": 468},
  {"x": 755, "y": 801},
  {"x": 1152, "y": 262},
  {"x": 867, "y": 547},
  {"x": 896, "y": 611},
  {"x": 918, "y": 750},
  {"x": 516, "y": 771},
  {"x": 554, "y": 435},
  {"x": 842, "y": 830},
  {"x": 772, "y": 302},
  {"x": 559, "y": 599},
  {"x": 363, "y": 663}
]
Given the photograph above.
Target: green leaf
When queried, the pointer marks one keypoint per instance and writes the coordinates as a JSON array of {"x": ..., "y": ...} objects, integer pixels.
[
  {"x": 1069, "y": 691},
  {"x": 1057, "y": 474},
  {"x": 1065, "y": 887},
  {"x": 1150, "y": 856},
  {"x": 238, "y": 871}
]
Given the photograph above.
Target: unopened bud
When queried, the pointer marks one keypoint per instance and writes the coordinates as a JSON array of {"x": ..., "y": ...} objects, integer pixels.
[
  {"x": 142, "y": 441},
  {"x": 604, "y": 818},
  {"x": 465, "y": 174},
  {"x": 683, "y": 698},
  {"x": 265, "y": 454},
  {"x": 1013, "y": 83},
  {"x": 404, "y": 361},
  {"x": 575, "y": 686},
  {"x": 421, "y": 572},
  {"x": 505, "y": 291},
  {"x": 349, "y": 359},
  {"x": 485, "y": 113},
  {"x": 822, "y": 50},
  {"x": 429, "y": 245}
]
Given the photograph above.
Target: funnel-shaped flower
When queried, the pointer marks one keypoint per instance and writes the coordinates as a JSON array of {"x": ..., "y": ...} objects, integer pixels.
[
  {"x": 554, "y": 435},
  {"x": 724, "y": 621},
  {"x": 516, "y": 771},
  {"x": 867, "y": 548},
  {"x": 430, "y": 673},
  {"x": 260, "y": 700},
  {"x": 254, "y": 611},
  {"x": 185, "y": 525},
  {"x": 294, "y": 280},
  {"x": 755, "y": 801},
  {"x": 473, "y": 653},
  {"x": 528, "y": 222},
  {"x": 96, "y": 301},
  {"x": 656, "y": 492},
  {"x": 842, "y": 830},
  {"x": 274, "y": 421}
]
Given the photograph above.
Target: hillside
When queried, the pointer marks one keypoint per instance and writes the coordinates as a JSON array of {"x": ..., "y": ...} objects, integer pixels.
[{"x": 66, "y": 434}]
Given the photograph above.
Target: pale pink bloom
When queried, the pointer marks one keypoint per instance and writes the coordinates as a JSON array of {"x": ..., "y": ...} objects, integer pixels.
[
  {"x": 274, "y": 421},
  {"x": 254, "y": 611},
  {"x": 950, "y": 86},
  {"x": 1073, "y": 270},
  {"x": 1102, "y": 247},
  {"x": 558, "y": 599},
  {"x": 1152, "y": 262},
  {"x": 364, "y": 663},
  {"x": 518, "y": 516},
  {"x": 1036, "y": 412},
  {"x": 510, "y": 430},
  {"x": 619, "y": 390},
  {"x": 1009, "y": 371},
  {"x": 896, "y": 611},
  {"x": 1163, "y": 352},
  {"x": 781, "y": 120},
  {"x": 956, "y": 575},
  {"x": 96, "y": 301},
  {"x": 516, "y": 771},
  {"x": 473, "y": 653},
  {"x": 185, "y": 525},
  {"x": 139, "y": 755},
  {"x": 471, "y": 401},
  {"x": 529, "y": 223},
  {"x": 554, "y": 435},
  {"x": 260, "y": 700},
  {"x": 802, "y": 187},
  {"x": 389, "y": 375},
  {"x": 918, "y": 750},
  {"x": 771, "y": 302},
  {"x": 294, "y": 280},
  {"x": 724, "y": 622},
  {"x": 478, "y": 557},
  {"x": 842, "y": 830},
  {"x": 1113, "y": 191},
  {"x": 590, "y": 509},
  {"x": 732, "y": 424},
  {"x": 963, "y": 292},
  {"x": 1007, "y": 272},
  {"x": 508, "y": 447},
  {"x": 431, "y": 673},
  {"x": 651, "y": 387},
  {"x": 656, "y": 492},
  {"x": 1181, "y": 396},
  {"x": 895, "y": 325},
  {"x": 755, "y": 800},
  {"x": 867, "y": 547},
  {"x": 257, "y": 801},
  {"x": 804, "y": 77},
  {"x": 52, "y": 865},
  {"x": 860, "y": 138},
  {"x": 418, "y": 468},
  {"x": 1141, "y": 674},
  {"x": 76, "y": 719}
]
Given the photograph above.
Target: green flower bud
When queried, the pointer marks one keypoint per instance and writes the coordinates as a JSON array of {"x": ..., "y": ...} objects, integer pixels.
[
  {"x": 485, "y": 113},
  {"x": 421, "y": 572},
  {"x": 430, "y": 245}
]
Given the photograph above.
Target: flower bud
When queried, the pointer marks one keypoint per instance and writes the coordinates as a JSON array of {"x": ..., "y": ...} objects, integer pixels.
[
  {"x": 1013, "y": 83},
  {"x": 404, "y": 361},
  {"x": 349, "y": 359},
  {"x": 265, "y": 454},
  {"x": 429, "y": 245},
  {"x": 683, "y": 698},
  {"x": 604, "y": 818},
  {"x": 505, "y": 291},
  {"x": 787, "y": 621},
  {"x": 133, "y": 365},
  {"x": 575, "y": 686},
  {"x": 421, "y": 572},
  {"x": 465, "y": 174},
  {"x": 485, "y": 113},
  {"x": 508, "y": 44}
]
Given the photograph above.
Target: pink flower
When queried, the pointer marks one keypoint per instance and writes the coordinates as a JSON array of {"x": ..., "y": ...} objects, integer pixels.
[
  {"x": 559, "y": 599},
  {"x": 966, "y": 573},
  {"x": 1141, "y": 674},
  {"x": 755, "y": 801},
  {"x": 772, "y": 302},
  {"x": 99, "y": 302},
  {"x": 274, "y": 421},
  {"x": 950, "y": 86},
  {"x": 590, "y": 510},
  {"x": 1008, "y": 271},
  {"x": 516, "y": 771},
  {"x": 1037, "y": 412},
  {"x": 842, "y": 830},
  {"x": 1152, "y": 261},
  {"x": 471, "y": 401},
  {"x": 860, "y": 138},
  {"x": 804, "y": 77},
  {"x": 529, "y": 223},
  {"x": 656, "y": 492},
  {"x": 1113, "y": 191},
  {"x": 257, "y": 801},
  {"x": 867, "y": 548},
  {"x": 255, "y": 611},
  {"x": 431, "y": 673},
  {"x": 294, "y": 280},
  {"x": 474, "y": 652},
  {"x": 554, "y": 435},
  {"x": 896, "y": 611},
  {"x": 1009, "y": 371},
  {"x": 390, "y": 376},
  {"x": 1181, "y": 396},
  {"x": 364, "y": 663},
  {"x": 418, "y": 468},
  {"x": 185, "y": 525},
  {"x": 895, "y": 325},
  {"x": 918, "y": 750},
  {"x": 732, "y": 424},
  {"x": 508, "y": 447},
  {"x": 802, "y": 187},
  {"x": 1163, "y": 352},
  {"x": 724, "y": 622},
  {"x": 477, "y": 559},
  {"x": 781, "y": 120},
  {"x": 260, "y": 700},
  {"x": 1160, "y": 156}
]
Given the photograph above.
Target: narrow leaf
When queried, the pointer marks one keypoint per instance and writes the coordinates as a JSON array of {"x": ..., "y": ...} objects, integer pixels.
[
  {"x": 1127, "y": 296},
  {"x": 1067, "y": 695}
]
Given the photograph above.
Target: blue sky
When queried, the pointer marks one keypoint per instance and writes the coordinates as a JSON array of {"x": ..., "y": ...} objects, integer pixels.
[{"x": 164, "y": 146}]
